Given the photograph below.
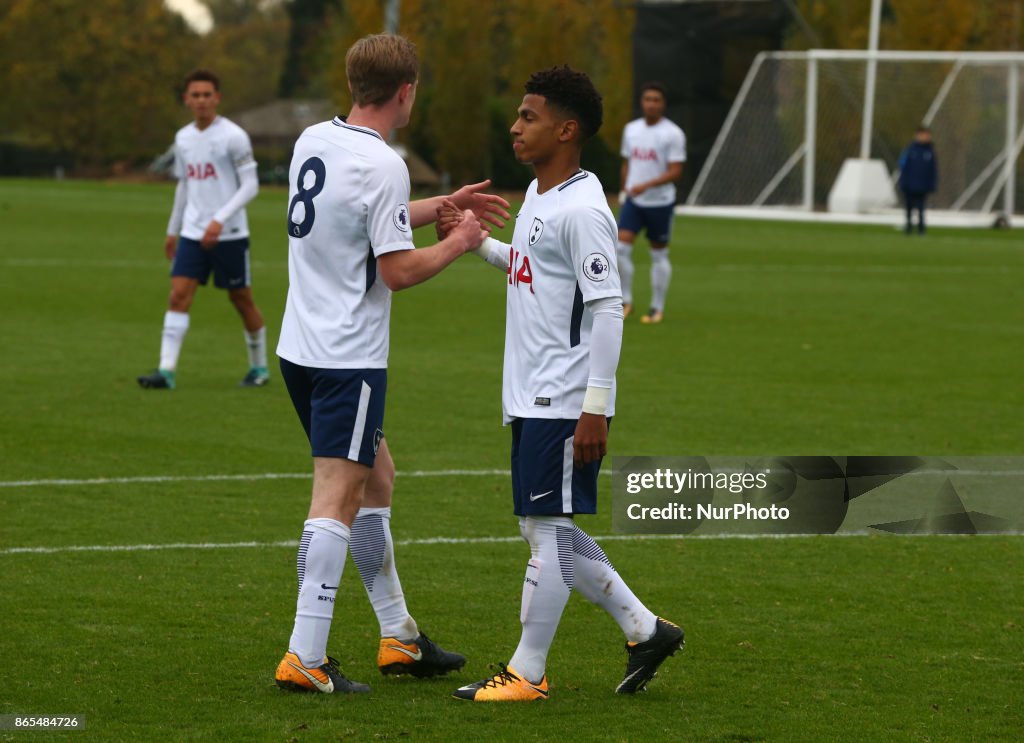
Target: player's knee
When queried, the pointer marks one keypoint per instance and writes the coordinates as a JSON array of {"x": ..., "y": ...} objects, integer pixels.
[
  {"x": 242, "y": 300},
  {"x": 180, "y": 300},
  {"x": 382, "y": 482}
]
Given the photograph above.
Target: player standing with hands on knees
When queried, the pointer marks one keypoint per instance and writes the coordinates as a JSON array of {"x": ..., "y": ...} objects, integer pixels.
[
  {"x": 216, "y": 173},
  {"x": 350, "y": 245},
  {"x": 563, "y": 334}
]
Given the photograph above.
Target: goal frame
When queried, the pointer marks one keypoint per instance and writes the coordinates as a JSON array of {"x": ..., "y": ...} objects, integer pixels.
[{"x": 1005, "y": 162}]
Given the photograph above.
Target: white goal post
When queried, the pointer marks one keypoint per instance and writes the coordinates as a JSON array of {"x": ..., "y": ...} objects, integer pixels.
[{"x": 799, "y": 115}]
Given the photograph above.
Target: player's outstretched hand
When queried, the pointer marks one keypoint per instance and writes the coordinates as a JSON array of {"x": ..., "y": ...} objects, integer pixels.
[
  {"x": 590, "y": 442},
  {"x": 448, "y": 215},
  {"x": 489, "y": 208},
  {"x": 469, "y": 231},
  {"x": 171, "y": 247}
]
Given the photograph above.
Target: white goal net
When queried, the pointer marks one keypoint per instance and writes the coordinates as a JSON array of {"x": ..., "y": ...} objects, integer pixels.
[{"x": 799, "y": 115}]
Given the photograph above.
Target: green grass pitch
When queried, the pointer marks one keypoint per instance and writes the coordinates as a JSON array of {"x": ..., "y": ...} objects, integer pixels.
[{"x": 778, "y": 339}]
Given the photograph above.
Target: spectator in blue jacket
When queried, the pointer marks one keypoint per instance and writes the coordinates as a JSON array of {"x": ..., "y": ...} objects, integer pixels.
[{"x": 919, "y": 174}]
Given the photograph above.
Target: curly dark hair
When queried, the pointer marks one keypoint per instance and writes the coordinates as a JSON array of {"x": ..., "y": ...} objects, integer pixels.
[
  {"x": 202, "y": 75},
  {"x": 654, "y": 85},
  {"x": 572, "y": 93}
]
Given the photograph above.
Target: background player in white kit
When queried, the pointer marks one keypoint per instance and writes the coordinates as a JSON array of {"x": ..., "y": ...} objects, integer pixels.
[
  {"x": 653, "y": 152},
  {"x": 216, "y": 173},
  {"x": 349, "y": 246},
  {"x": 563, "y": 334}
]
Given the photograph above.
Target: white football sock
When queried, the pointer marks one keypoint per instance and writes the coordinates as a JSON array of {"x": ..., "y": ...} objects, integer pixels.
[
  {"x": 598, "y": 582},
  {"x": 661, "y": 274},
  {"x": 373, "y": 552},
  {"x": 175, "y": 327},
  {"x": 624, "y": 253},
  {"x": 256, "y": 342},
  {"x": 320, "y": 563},
  {"x": 546, "y": 589}
]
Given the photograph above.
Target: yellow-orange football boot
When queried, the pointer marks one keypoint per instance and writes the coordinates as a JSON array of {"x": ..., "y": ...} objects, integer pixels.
[
  {"x": 504, "y": 686},
  {"x": 324, "y": 679}
]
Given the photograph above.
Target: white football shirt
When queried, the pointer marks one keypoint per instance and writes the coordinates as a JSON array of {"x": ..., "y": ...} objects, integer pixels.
[
  {"x": 650, "y": 149},
  {"x": 209, "y": 161},
  {"x": 348, "y": 204},
  {"x": 562, "y": 255}
]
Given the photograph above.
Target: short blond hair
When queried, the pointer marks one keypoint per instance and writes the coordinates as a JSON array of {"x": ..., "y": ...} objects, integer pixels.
[{"x": 378, "y": 65}]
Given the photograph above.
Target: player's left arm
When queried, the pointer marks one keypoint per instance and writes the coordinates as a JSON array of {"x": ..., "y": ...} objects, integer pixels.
[
  {"x": 673, "y": 173},
  {"x": 248, "y": 186},
  {"x": 590, "y": 233},
  {"x": 590, "y": 442},
  {"x": 489, "y": 208}
]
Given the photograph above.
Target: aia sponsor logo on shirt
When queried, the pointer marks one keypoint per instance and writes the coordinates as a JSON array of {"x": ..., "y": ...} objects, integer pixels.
[
  {"x": 519, "y": 271},
  {"x": 201, "y": 171},
  {"x": 647, "y": 155}
]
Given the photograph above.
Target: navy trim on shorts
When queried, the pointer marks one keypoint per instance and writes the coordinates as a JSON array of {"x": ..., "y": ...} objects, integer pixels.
[
  {"x": 228, "y": 260},
  {"x": 544, "y": 480},
  {"x": 656, "y": 220},
  {"x": 341, "y": 410}
]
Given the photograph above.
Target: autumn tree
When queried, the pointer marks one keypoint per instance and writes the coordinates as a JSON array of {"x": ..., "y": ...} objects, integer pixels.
[
  {"x": 96, "y": 79},
  {"x": 475, "y": 58},
  {"x": 307, "y": 47},
  {"x": 247, "y": 48},
  {"x": 931, "y": 25}
]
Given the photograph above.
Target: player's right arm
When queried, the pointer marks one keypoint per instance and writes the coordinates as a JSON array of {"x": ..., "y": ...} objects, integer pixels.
[
  {"x": 174, "y": 223},
  {"x": 401, "y": 269}
]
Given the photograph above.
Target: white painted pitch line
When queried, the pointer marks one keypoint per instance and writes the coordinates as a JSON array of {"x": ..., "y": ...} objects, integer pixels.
[
  {"x": 445, "y": 541},
  {"x": 867, "y": 268},
  {"x": 292, "y": 543},
  {"x": 412, "y": 473},
  {"x": 218, "y": 478},
  {"x": 148, "y": 265}
]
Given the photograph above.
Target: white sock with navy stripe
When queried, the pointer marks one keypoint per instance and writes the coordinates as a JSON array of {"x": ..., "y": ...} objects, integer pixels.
[
  {"x": 373, "y": 552},
  {"x": 546, "y": 589},
  {"x": 320, "y": 563},
  {"x": 599, "y": 582}
]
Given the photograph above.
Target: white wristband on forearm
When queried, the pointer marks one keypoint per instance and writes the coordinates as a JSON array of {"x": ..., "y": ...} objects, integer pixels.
[
  {"x": 596, "y": 400},
  {"x": 494, "y": 252}
]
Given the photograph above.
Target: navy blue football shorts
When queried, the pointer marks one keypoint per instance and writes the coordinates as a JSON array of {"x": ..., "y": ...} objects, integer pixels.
[
  {"x": 228, "y": 260},
  {"x": 544, "y": 480},
  {"x": 657, "y": 220},
  {"x": 341, "y": 410}
]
